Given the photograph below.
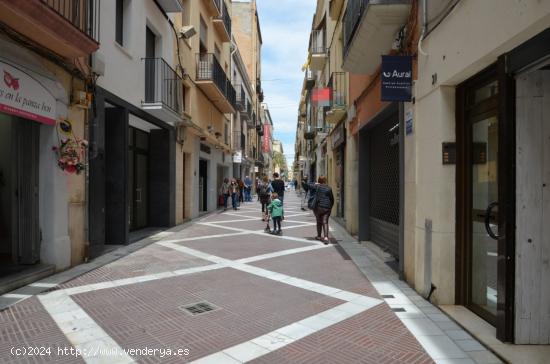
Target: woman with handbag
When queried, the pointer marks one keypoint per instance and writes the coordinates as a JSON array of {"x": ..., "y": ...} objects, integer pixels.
[{"x": 321, "y": 201}]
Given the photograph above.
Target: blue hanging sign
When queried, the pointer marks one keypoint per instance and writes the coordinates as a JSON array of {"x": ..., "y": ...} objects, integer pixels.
[{"x": 396, "y": 78}]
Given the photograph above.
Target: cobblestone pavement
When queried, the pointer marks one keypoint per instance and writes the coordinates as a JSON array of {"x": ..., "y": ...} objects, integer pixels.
[{"x": 254, "y": 297}]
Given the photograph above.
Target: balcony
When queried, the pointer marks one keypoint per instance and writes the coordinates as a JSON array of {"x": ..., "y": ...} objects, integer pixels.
[
  {"x": 241, "y": 98},
  {"x": 67, "y": 28},
  {"x": 338, "y": 97},
  {"x": 163, "y": 91},
  {"x": 369, "y": 30},
  {"x": 238, "y": 141},
  {"x": 309, "y": 133},
  {"x": 213, "y": 81},
  {"x": 318, "y": 50},
  {"x": 171, "y": 6},
  {"x": 335, "y": 8},
  {"x": 214, "y": 7},
  {"x": 222, "y": 24},
  {"x": 246, "y": 115}
]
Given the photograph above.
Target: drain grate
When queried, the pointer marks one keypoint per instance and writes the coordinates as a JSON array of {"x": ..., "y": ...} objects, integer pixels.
[
  {"x": 199, "y": 308},
  {"x": 398, "y": 309},
  {"x": 388, "y": 296}
]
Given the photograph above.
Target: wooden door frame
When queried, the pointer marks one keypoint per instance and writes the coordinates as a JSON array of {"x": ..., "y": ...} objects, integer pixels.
[{"x": 505, "y": 110}]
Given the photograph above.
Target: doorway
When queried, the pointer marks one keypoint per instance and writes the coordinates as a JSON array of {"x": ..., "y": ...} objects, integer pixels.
[
  {"x": 138, "y": 181},
  {"x": 183, "y": 172},
  {"x": 203, "y": 185},
  {"x": 19, "y": 162},
  {"x": 478, "y": 194},
  {"x": 340, "y": 180}
]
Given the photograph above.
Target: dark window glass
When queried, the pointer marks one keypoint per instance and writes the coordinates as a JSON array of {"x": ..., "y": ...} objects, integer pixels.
[
  {"x": 142, "y": 140},
  {"x": 119, "y": 21}
]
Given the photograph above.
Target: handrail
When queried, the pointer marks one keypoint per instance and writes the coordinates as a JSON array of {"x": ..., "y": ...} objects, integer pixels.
[
  {"x": 162, "y": 84},
  {"x": 209, "y": 69},
  {"x": 352, "y": 16},
  {"x": 83, "y": 14}
]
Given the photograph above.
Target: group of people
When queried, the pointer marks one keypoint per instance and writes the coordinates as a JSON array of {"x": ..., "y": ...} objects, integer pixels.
[
  {"x": 271, "y": 195},
  {"x": 238, "y": 190}
]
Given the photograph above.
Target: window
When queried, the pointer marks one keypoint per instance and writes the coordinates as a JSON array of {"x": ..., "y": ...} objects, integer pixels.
[
  {"x": 217, "y": 52},
  {"x": 119, "y": 22},
  {"x": 226, "y": 131},
  {"x": 203, "y": 48}
]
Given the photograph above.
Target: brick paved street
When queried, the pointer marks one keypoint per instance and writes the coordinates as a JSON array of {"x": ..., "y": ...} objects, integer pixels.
[{"x": 274, "y": 299}]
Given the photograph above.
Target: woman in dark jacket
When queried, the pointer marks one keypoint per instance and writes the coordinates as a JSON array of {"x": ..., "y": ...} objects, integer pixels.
[{"x": 323, "y": 202}]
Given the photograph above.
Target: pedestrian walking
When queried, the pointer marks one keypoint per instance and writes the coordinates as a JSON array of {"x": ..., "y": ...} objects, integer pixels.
[
  {"x": 240, "y": 183},
  {"x": 247, "y": 189},
  {"x": 264, "y": 190},
  {"x": 234, "y": 191},
  {"x": 278, "y": 186},
  {"x": 276, "y": 212},
  {"x": 224, "y": 191},
  {"x": 321, "y": 202}
]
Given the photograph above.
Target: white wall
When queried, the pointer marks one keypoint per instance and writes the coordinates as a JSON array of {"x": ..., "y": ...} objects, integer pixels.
[{"x": 124, "y": 70}]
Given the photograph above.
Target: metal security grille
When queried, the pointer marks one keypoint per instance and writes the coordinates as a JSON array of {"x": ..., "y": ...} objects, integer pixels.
[
  {"x": 384, "y": 185},
  {"x": 199, "y": 308}
]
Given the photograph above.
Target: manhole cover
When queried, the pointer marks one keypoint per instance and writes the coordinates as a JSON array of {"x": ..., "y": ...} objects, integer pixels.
[
  {"x": 199, "y": 308},
  {"x": 398, "y": 309},
  {"x": 387, "y": 296}
]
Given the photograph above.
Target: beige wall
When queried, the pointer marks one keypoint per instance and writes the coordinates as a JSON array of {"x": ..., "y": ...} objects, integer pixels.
[
  {"x": 467, "y": 41},
  {"x": 75, "y": 185}
]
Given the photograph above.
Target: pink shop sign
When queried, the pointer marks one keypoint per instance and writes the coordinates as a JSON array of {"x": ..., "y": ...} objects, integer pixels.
[{"x": 24, "y": 96}]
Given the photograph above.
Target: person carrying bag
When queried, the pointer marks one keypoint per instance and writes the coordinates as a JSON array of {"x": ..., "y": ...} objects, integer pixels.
[{"x": 320, "y": 201}]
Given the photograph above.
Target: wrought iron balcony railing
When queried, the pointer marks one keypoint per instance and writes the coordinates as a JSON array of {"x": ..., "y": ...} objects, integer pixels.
[
  {"x": 338, "y": 90},
  {"x": 352, "y": 16},
  {"x": 163, "y": 85},
  {"x": 225, "y": 19},
  {"x": 318, "y": 42},
  {"x": 241, "y": 97},
  {"x": 83, "y": 14},
  {"x": 217, "y": 4},
  {"x": 209, "y": 69}
]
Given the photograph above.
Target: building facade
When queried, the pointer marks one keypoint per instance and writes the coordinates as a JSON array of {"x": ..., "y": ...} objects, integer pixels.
[
  {"x": 137, "y": 105},
  {"x": 44, "y": 96},
  {"x": 248, "y": 38},
  {"x": 479, "y": 219},
  {"x": 451, "y": 180},
  {"x": 124, "y": 137}
]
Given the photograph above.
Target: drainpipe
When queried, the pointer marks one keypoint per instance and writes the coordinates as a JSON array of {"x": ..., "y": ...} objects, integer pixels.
[{"x": 424, "y": 26}]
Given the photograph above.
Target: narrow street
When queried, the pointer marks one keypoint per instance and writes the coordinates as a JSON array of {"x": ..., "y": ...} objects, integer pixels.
[{"x": 265, "y": 299}]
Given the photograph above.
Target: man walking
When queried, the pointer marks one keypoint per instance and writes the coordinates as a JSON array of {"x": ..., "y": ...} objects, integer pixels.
[{"x": 278, "y": 186}]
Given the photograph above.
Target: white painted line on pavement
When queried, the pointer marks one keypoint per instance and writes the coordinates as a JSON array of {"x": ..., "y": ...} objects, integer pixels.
[
  {"x": 284, "y": 336},
  {"x": 260, "y": 232},
  {"x": 133, "y": 280},
  {"x": 281, "y": 253},
  {"x": 83, "y": 332},
  {"x": 203, "y": 237}
]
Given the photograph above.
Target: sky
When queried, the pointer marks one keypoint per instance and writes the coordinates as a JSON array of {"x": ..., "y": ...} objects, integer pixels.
[{"x": 285, "y": 27}]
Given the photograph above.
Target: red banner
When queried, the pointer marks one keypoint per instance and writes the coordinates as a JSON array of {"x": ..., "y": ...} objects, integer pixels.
[
  {"x": 321, "y": 97},
  {"x": 267, "y": 137}
]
